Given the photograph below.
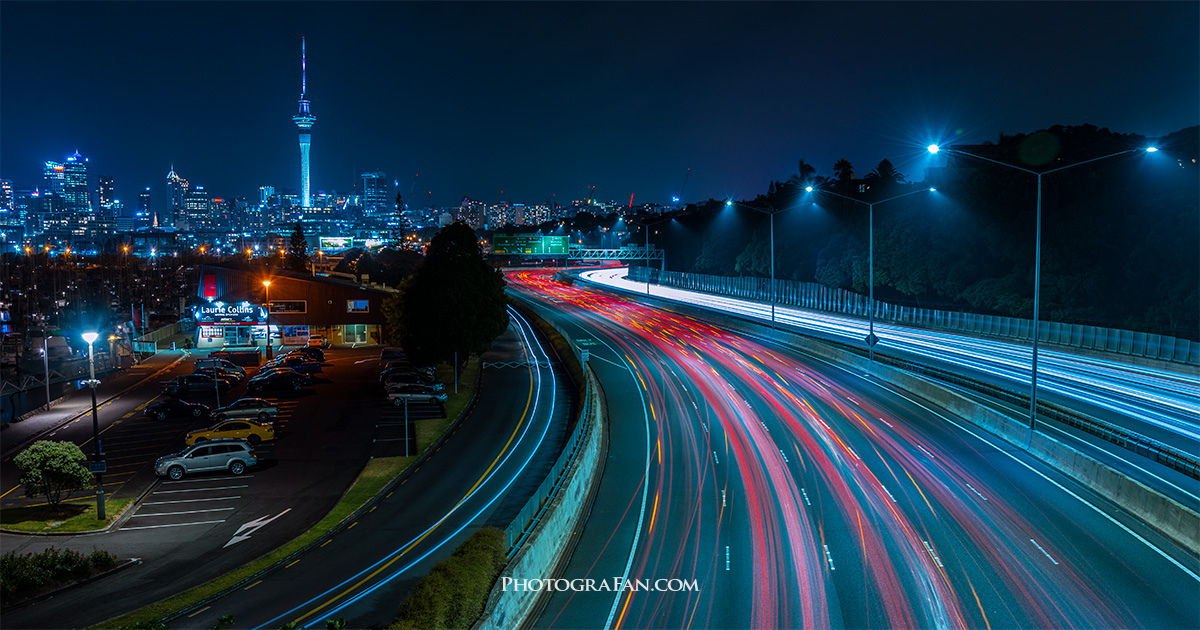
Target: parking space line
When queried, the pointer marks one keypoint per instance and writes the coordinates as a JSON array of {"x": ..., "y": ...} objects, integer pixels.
[
  {"x": 174, "y": 525},
  {"x": 199, "y": 489},
  {"x": 178, "y": 513},
  {"x": 193, "y": 500},
  {"x": 171, "y": 483}
]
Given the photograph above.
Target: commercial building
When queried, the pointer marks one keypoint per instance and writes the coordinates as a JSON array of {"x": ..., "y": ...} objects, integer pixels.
[
  {"x": 375, "y": 193},
  {"x": 231, "y": 308}
]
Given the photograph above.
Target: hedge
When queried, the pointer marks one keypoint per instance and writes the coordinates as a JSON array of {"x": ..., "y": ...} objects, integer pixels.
[{"x": 455, "y": 592}]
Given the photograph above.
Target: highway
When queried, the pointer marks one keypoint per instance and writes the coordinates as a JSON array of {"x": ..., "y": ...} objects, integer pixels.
[{"x": 796, "y": 494}]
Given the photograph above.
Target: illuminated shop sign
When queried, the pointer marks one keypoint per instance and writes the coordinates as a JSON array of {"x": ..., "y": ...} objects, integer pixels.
[{"x": 226, "y": 313}]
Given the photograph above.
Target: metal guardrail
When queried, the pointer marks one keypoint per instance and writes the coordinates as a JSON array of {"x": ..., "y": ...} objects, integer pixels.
[
  {"x": 529, "y": 516},
  {"x": 818, "y": 297}
]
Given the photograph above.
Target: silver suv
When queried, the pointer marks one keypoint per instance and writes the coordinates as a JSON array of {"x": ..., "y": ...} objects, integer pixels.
[
  {"x": 258, "y": 408},
  {"x": 232, "y": 455}
]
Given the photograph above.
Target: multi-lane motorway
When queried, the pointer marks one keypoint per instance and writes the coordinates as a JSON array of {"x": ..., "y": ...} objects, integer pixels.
[{"x": 796, "y": 494}]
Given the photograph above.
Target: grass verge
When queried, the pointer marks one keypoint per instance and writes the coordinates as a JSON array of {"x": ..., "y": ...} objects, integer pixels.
[
  {"x": 377, "y": 474},
  {"x": 456, "y": 590},
  {"x": 71, "y": 517}
]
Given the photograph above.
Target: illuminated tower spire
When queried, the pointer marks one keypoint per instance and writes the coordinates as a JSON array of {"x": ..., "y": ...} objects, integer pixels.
[{"x": 304, "y": 120}]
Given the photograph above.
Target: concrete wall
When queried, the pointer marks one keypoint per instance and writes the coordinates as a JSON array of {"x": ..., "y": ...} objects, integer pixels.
[{"x": 546, "y": 547}]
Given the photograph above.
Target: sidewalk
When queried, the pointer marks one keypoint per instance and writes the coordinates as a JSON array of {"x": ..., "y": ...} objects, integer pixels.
[{"x": 16, "y": 435}]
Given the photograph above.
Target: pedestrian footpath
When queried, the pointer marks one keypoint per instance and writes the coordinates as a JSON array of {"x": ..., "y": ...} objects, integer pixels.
[{"x": 17, "y": 435}]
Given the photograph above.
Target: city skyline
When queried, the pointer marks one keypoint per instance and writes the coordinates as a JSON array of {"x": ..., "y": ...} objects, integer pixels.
[{"x": 624, "y": 100}]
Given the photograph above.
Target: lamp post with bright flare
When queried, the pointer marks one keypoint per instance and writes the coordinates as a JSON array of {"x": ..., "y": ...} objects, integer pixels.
[
  {"x": 1037, "y": 257},
  {"x": 871, "y": 339},
  {"x": 98, "y": 464},
  {"x": 267, "y": 299}
]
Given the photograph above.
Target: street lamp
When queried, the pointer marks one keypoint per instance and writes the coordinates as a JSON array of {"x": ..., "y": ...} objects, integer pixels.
[
  {"x": 1037, "y": 257},
  {"x": 646, "y": 226},
  {"x": 98, "y": 452},
  {"x": 267, "y": 287},
  {"x": 771, "y": 213},
  {"x": 871, "y": 339}
]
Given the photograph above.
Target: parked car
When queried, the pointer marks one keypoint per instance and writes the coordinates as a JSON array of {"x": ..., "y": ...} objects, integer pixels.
[
  {"x": 175, "y": 408},
  {"x": 393, "y": 381},
  {"x": 232, "y": 455},
  {"x": 415, "y": 394},
  {"x": 389, "y": 354},
  {"x": 298, "y": 363},
  {"x": 220, "y": 372},
  {"x": 238, "y": 428},
  {"x": 425, "y": 376},
  {"x": 277, "y": 380},
  {"x": 317, "y": 341},
  {"x": 313, "y": 354},
  {"x": 258, "y": 408},
  {"x": 224, "y": 364},
  {"x": 189, "y": 383},
  {"x": 305, "y": 378},
  {"x": 403, "y": 363}
]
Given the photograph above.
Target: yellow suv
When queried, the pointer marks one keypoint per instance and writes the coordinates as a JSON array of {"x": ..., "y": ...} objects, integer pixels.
[{"x": 237, "y": 428}]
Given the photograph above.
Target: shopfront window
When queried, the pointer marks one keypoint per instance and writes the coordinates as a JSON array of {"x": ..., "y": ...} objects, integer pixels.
[{"x": 357, "y": 306}]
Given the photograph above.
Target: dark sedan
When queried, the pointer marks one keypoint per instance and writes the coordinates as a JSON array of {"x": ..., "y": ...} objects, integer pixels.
[
  {"x": 175, "y": 408},
  {"x": 277, "y": 380},
  {"x": 200, "y": 383},
  {"x": 298, "y": 363}
]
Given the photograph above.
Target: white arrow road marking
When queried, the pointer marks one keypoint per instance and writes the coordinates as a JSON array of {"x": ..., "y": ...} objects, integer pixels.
[{"x": 252, "y": 527}]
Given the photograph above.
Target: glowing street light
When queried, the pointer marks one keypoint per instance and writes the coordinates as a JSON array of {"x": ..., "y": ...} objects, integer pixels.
[
  {"x": 771, "y": 213},
  {"x": 871, "y": 339},
  {"x": 98, "y": 464},
  {"x": 267, "y": 289},
  {"x": 1037, "y": 256}
]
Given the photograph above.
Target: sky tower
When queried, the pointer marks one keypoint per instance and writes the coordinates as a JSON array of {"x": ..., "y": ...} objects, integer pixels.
[{"x": 304, "y": 121}]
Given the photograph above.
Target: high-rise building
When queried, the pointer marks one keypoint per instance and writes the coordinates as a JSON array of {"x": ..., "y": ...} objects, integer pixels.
[
  {"x": 54, "y": 177},
  {"x": 6, "y": 194},
  {"x": 104, "y": 190},
  {"x": 177, "y": 187},
  {"x": 304, "y": 121},
  {"x": 75, "y": 184},
  {"x": 143, "y": 203},
  {"x": 265, "y": 193},
  {"x": 375, "y": 193},
  {"x": 196, "y": 209}
]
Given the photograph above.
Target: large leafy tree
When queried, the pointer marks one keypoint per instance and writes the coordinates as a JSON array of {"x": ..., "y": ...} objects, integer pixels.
[
  {"x": 297, "y": 256},
  {"x": 843, "y": 169},
  {"x": 53, "y": 469},
  {"x": 454, "y": 304}
]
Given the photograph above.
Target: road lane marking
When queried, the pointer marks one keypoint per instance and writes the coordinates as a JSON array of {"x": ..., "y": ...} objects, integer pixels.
[
  {"x": 178, "y": 513},
  {"x": 199, "y": 611},
  {"x": 199, "y": 489},
  {"x": 252, "y": 526},
  {"x": 975, "y": 491},
  {"x": 191, "y": 500},
  {"x": 171, "y": 483},
  {"x": 1043, "y": 551},
  {"x": 828, "y": 557},
  {"x": 174, "y": 525},
  {"x": 935, "y": 556},
  {"x": 259, "y": 582},
  {"x": 726, "y": 557},
  {"x": 806, "y": 501}
]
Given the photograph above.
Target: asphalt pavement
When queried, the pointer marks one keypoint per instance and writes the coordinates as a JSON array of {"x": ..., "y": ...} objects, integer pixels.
[{"x": 796, "y": 494}]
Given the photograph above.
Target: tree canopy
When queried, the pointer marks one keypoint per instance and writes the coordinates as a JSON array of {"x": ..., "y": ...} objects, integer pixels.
[
  {"x": 453, "y": 303},
  {"x": 53, "y": 469},
  {"x": 297, "y": 255}
]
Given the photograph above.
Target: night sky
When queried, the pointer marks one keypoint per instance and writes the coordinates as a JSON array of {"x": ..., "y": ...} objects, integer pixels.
[{"x": 518, "y": 102}]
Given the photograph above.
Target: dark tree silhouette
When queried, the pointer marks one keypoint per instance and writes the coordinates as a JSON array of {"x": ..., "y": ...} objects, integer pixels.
[
  {"x": 297, "y": 256},
  {"x": 843, "y": 169},
  {"x": 886, "y": 174}
]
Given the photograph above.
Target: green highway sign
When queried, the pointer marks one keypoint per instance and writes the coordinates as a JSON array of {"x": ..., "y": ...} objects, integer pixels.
[{"x": 529, "y": 244}]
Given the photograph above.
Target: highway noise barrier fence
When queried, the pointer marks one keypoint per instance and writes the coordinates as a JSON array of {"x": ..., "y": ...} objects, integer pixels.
[{"x": 818, "y": 297}]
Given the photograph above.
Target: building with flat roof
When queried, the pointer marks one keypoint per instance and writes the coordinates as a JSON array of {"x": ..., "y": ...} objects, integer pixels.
[{"x": 232, "y": 308}]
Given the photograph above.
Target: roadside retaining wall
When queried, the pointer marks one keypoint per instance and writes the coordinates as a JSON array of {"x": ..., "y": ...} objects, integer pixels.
[{"x": 546, "y": 547}]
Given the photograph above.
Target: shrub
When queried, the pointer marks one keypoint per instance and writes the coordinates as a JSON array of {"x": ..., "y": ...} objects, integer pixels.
[
  {"x": 24, "y": 573},
  {"x": 455, "y": 592}
]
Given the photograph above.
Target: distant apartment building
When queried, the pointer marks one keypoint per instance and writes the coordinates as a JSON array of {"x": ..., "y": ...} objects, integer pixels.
[
  {"x": 195, "y": 210},
  {"x": 177, "y": 188},
  {"x": 105, "y": 192}
]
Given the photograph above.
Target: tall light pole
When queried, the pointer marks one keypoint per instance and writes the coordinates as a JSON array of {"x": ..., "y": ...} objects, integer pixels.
[
  {"x": 771, "y": 213},
  {"x": 267, "y": 298},
  {"x": 98, "y": 464},
  {"x": 871, "y": 339},
  {"x": 1037, "y": 258},
  {"x": 664, "y": 263}
]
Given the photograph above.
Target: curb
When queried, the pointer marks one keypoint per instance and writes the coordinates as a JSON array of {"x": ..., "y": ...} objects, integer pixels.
[{"x": 10, "y": 451}]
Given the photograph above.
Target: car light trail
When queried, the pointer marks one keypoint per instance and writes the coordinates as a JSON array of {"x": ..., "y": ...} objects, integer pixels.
[{"x": 931, "y": 550}]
